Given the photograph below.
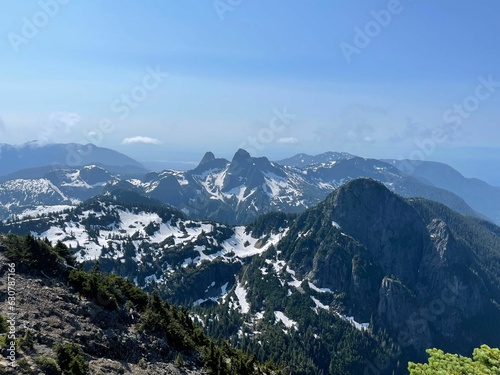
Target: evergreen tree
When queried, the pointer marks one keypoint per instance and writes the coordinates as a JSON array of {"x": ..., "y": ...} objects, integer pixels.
[{"x": 485, "y": 361}]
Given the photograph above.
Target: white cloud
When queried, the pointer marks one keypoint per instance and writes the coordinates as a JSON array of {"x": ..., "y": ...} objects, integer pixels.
[
  {"x": 64, "y": 120},
  {"x": 288, "y": 140},
  {"x": 141, "y": 140},
  {"x": 58, "y": 127}
]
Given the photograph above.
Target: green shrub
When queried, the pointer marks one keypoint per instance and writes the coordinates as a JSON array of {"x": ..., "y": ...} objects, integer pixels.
[
  {"x": 4, "y": 326},
  {"x": 5, "y": 342},
  {"x": 48, "y": 365},
  {"x": 26, "y": 342},
  {"x": 24, "y": 366},
  {"x": 109, "y": 291},
  {"x": 33, "y": 254},
  {"x": 71, "y": 360},
  {"x": 179, "y": 361},
  {"x": 484, "y": 361}
]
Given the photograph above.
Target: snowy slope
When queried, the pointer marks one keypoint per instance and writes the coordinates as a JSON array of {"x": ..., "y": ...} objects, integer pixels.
[{"x": 154, "y": 244}]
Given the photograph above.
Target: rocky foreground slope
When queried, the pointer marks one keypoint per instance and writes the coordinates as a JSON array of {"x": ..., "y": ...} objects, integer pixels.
[{"x": 74, "y": 322}]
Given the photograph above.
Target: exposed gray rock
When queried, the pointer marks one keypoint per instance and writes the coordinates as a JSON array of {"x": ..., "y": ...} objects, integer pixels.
[{"x": 111, "y": 343}]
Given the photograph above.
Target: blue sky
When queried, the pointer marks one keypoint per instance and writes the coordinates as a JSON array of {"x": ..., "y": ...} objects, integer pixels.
[{"x": 232, "y": 67}]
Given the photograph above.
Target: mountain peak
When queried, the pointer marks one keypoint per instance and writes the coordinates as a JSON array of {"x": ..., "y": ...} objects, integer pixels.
[
  {"x": 208, "y": 157},
  {"x": 241, "y": 156},
  {"x": 365, "y": 206},
  {"x": 363, "y": 183},
  {"x": 364, "y": 193}
]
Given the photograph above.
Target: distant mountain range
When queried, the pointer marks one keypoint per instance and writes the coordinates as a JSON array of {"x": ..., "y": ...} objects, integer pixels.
[
  {"x": 32, "y": 155},
  {"x": 240, "y": 190},
  {"x": 234, "y": 191},
  {"x": 303, "y": 160},
  {"x": 49, "y": 188},
  {"x": 479, "y": 195}
]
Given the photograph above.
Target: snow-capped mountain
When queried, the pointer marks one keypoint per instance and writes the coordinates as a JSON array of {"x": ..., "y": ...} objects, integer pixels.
[
  {"x": 55, "y": 188},
  {"x": 125, "y": 230},
  {"x": 240, "y": 190},
  {"x": 235, "y": 192}
]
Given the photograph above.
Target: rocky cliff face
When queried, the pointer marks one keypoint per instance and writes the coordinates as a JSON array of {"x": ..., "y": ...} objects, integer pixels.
[
  {"x": 396, "y": 304},
  {"x": 384, "y": 223},
  {"x": 413, "y": 273}
]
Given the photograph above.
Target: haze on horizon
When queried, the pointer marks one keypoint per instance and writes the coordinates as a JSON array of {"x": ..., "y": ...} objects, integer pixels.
[{"x": 167, "y": 81}]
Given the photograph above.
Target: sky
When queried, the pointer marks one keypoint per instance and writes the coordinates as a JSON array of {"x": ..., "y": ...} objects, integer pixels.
[{"x": 168, "y": 80}]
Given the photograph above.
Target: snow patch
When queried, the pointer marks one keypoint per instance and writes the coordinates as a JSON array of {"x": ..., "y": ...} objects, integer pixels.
[
  {"x": 358, "y": 326},
  {"x": 289, "y": 323},
  {"x": 241, "y": 294},
  {"x": 319, "y": 290},
  {"x": 319, "y": 305}
]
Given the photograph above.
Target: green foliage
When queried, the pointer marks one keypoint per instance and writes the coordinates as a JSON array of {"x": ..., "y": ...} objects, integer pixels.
[
  {"x": 324, "y": 343},
  {"x": 189, "y": 283},
  {"x": 179, "y": 361},
  {"x": 24, "y": 366},
  {"x": 162, "y": 319},
  {"x": 177, "y": 254},
  {"x": 110, "y": 291},
  {"x": 222, "y": 360},
  {"x": 36, "y": 255},
  {"x": 4, "y": 326},
  {"x": 27, "y": 341},
  {"x": 48, "y": 365},
  {"x": 485, "y": 361},
  {"x": 4, "y": 341},
  {"x": 269, "y": 223},
  {"x": 71, "y": 360}
]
